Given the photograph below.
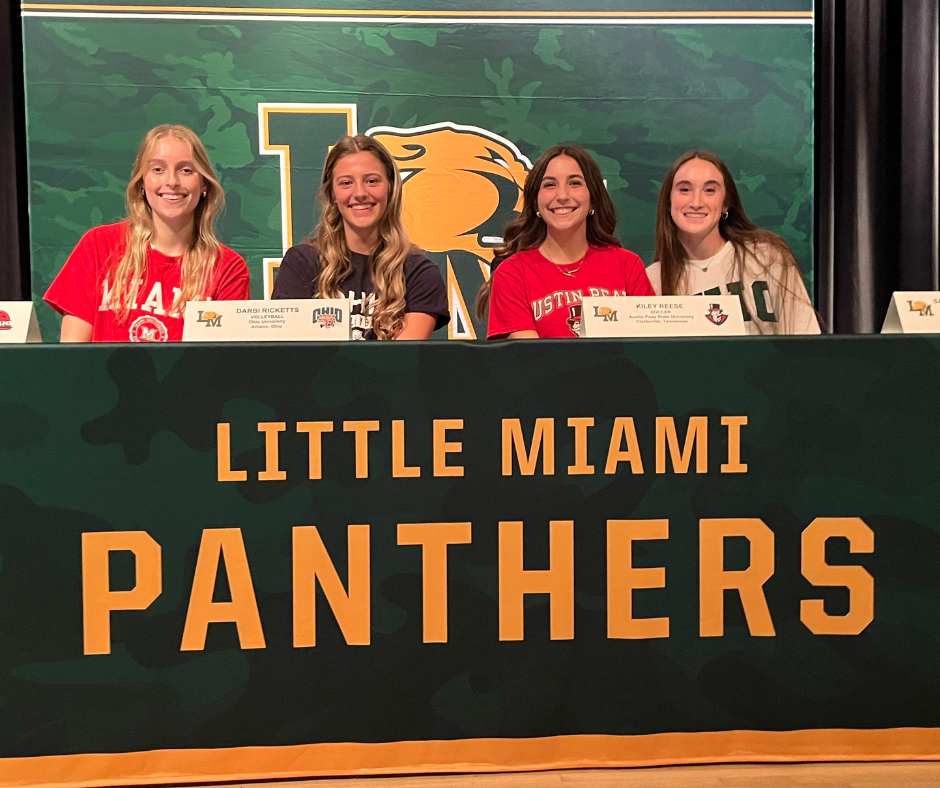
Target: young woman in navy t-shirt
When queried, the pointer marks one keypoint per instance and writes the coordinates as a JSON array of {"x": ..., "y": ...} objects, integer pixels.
[{"x": 360, "y": 249}]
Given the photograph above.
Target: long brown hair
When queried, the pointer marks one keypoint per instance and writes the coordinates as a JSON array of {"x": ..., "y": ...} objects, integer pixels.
[
  {"x": 734, "y": 226},
  {"x": 528, "y": 230},
  {"x": 387, "y": 261},
  {"x": 199, "y": 259}
]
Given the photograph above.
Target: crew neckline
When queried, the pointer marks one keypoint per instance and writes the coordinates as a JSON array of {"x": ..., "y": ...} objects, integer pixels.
[{"x": 553, "y": 264}]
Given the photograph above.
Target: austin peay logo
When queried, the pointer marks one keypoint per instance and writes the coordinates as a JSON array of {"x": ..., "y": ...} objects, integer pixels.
[
  {"x": 327, "y": 316},
  {"x": 574, "y": 319},
  {"x": 715, "y": 314},
  {"x": 922, "y": 308},
  {"x": 607, "y": 314},
  {"x": 211, "y": 319},
  {"x": 5, "y": 322}
]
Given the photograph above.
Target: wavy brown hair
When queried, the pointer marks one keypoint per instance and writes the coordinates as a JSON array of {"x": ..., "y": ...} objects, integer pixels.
[
  {"x": 744, "y": 235},
  {"x": 199, "y": 259},
  {"x": 387, "y": 261},
  {"x": 528, "y": 230}
]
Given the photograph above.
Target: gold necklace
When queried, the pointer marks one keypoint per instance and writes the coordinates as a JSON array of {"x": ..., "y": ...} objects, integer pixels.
[
  {"x": 561, "y": 270},
  {"x": 572, "y": 273}
]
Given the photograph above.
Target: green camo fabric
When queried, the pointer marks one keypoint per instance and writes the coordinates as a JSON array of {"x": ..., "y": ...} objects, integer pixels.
[
  {"x": 637, "y": 96},
  {"x": 99, "y": 438}
]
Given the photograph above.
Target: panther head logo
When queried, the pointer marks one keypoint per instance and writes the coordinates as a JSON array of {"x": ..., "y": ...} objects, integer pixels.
[{"x": 461, "y": 184}]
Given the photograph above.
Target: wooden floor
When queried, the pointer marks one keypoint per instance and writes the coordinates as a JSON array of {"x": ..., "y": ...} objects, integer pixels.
[{"x": 845, "y": 775}]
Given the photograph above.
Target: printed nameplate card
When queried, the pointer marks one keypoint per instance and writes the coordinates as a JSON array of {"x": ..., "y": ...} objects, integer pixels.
[
  {"x": 913, "y": 312},
  {"x": 18, "y": 323},
  {"x": 289, "y": 320},
  {"x": 661, "y": 316}
]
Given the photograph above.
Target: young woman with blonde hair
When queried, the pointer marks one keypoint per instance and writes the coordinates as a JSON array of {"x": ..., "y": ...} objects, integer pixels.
[
  {"x": 130, "y": 281},
  {"x": 560, "y": 248},
  {"x": 360, "y": 249},
  {"x": 706, "y": 245}
]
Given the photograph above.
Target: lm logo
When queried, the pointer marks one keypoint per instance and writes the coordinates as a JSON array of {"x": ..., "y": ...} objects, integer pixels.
[
  {"x": 609, "y": 315},
  {"x": 922, "y": 308},
  {"x": 327, "y": 316},
  {"x": 211, "y": 319}
]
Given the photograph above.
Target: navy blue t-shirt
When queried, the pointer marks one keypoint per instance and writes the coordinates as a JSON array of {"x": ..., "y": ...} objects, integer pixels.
[{"x": 424, "y": 286}]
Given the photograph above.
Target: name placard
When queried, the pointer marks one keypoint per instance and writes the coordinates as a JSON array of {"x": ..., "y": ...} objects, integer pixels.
[
  {"x": 290, "y": 320},
  {"x": 18, "y": 323},
  {"x": 913, "y": 312},
  {"x": 661, "y": 316}
]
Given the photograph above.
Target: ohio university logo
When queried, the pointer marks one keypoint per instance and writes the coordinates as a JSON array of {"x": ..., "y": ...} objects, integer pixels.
[
  {"x": 461, "y": 186},
  {"x": 5, "y": 322},
  {"x": 327, "y": 316}
]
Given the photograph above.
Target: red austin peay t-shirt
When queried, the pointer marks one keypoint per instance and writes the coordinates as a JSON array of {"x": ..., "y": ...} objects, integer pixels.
[
  {"x": 530, "y": 292},
  {"x": 81, "y": 289}
]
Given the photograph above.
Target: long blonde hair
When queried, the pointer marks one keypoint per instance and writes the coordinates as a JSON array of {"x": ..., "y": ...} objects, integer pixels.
[
  {"x": 198, "y": 260},
  {"x": 387, "y": 261}
]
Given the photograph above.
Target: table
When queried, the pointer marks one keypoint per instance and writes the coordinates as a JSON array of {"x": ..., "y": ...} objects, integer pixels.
[{"x": 246, "y": 561}]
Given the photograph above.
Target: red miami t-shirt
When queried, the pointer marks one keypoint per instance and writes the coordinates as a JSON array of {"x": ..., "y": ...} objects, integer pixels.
[
  {"x": 81, "y": 289},
  {"x": 530, "y": 292}
]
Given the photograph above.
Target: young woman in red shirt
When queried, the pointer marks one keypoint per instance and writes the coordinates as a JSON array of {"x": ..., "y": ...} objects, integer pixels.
[
  {"x": 559, "y": 249},
  {"x": 130, "y": 281}
]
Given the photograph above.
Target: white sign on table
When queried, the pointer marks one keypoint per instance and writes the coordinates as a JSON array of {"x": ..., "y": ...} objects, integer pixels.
[
  {"x": 18, "y": 323},
  {"x": 289, "y": 320},
  {"x": 913, "y": 312},
  {"x": 661, "y": 316}
]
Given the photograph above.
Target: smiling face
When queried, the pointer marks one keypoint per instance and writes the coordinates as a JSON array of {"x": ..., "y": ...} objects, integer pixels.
[
  {"x": 697, "y": 202},
  {"x": 360, "y": 188},
  {"x": 564, "y": 199},
  {"x": 172, "y": 185}
]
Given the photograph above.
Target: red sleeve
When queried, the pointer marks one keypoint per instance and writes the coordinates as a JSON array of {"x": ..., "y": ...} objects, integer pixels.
[
  {"x": 232, "y": 281},
  {"x": 638, "y": 283},
  {"x": 76, "y": 288},
  {"x": 509, "y": 306}
]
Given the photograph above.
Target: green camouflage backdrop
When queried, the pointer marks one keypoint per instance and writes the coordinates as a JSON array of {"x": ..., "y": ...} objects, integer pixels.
[{"x": 636, "y": 91}]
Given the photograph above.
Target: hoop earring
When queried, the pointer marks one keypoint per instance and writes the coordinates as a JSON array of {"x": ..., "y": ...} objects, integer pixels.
[
  {"x": 725, "y": 215},
  {"x": 538, "y": 214},
  {"x": 591, "y": 212}
]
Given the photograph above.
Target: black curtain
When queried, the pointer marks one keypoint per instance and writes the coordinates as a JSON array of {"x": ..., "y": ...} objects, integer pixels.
[
  {"x": 876, "y": 156},
  {"x": 14, "y": 227}
]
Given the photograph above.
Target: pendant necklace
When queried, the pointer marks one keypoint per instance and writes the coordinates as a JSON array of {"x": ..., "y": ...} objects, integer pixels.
[
  {"x": 561, "y": 270},
  {"x": 572, "y": 273}
]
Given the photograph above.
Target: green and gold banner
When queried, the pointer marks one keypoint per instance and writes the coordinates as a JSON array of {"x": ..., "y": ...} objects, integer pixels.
[
  {"x": 225, "y": 563},
  {"x": 466, "y": 95}
]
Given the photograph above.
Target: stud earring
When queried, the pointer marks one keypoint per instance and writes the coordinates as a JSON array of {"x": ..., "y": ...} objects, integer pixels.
[{"x": 204, "y": 195}]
